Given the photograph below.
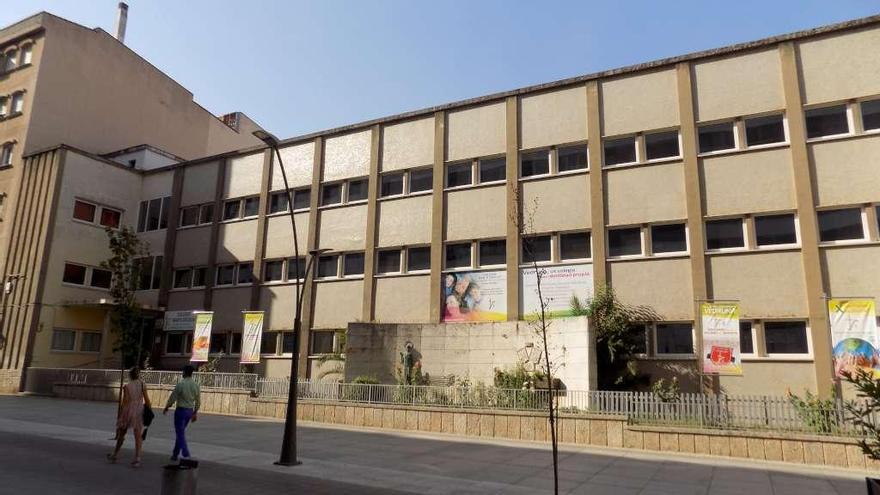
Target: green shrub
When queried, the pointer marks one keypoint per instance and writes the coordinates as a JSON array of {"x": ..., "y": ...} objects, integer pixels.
[
  {"x": 366, "y": 380},
  {"x": 816, "y": 413}
]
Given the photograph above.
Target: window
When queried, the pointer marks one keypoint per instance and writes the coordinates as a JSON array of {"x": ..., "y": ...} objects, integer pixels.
[
  {"x": 163, "y": 217},
  {"x": 288, "y": 343},
  {"x": 10, "y": 60},
  {"x": 786, "y": 337},
  {"x": 746, "y": 343},
  {"x": 218, "y": 342},
  {"x": 269, "y": 343},
  {"x": 625, "y": 242},
  {"x": 63, "y": 340},
  {"x": 828, "y": 121},
  {"x": 535, "y": 163},
  {"x": 391, "y": 185},
  {"x": 357, "y": 190},
  {"x": 840, "y": 225},
  {"x": 245, "y": 273},
  {"x": 725, "y": 234},
  {"x": 149, "y": 272},
  {"x": 775, "y": 229},
  {"x": 765, "y": 130},
  {"x": 153, "y": 214},
  {"x": 638, "y": 335},
  {"x": 84, "y": 211},
  {"x": 101, "y": 278},
  {"x": 225, "y": 274},
  {"x": 716, "y": 137},
  {"x": 74, "y": 274},
  {"x": 871, "y": 115},
  {"x": 353, "y": 264},
  {"x": 418, "y": 258},
  {"x": 302, "y": 199},
  {"x": 17, "y": 102},
  {"x": 670, "y": 238},
  {"x": 251, "y": 207},
  {"x": 619, "y": 151},
  {"x": 274, "y": 271},
  {"x": 90, "y": 342},
  {"x": 458, "y": 174},
  {"x": 176, "y": 343},
  {"x": 295, "y": 272},
  {"x": 328, "y": 266},
  {"x": 421, "y": 180},
  {"x": 110, "y": 217},
  {"x": 182, "y": 278},
  {"x": 388, "y": 261},
  {"x": 27, "y": 53},
  {"x": 661, "y": 145},
  {"x": 231, "y": 209},
  {"x": 4, "y": 106},
  {"x": 189, "y": 216},
  {"x": 493, "y": 252},
  {"x": 200, "y": 276},
  {"x": 574, "y": 246},
  {"x": 536, "y": 249},
  {"x": 493, "y": 170},
  {"x": 206, "y": 214},
  {"x": 458, "y": 255},
  {"x": 322, "y": 342},
  {"x": 235, "y": 344},
  {"x": 331, "y": 194},
  {"x": 571, "y": 158},
  {"x": 675, "y": 338},
  {"x": 6, "y": 154},
  {"x": 278, "y": 202}
]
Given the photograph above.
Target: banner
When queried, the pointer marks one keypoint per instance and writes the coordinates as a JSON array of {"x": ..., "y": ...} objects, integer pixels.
[
  {"x": 721, "y": 352},
  {"x": 854, "y": 336},
  {"x": 474, "y": 296},
  {"x": 558, "y": 285},
  {"x": 202, "y": 336},
  {"x": 180, "y": 321},
  {"x": 251, "y": 337}
]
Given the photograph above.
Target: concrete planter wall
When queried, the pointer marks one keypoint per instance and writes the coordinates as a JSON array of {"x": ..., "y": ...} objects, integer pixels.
[{"x": 10, "y": 380}]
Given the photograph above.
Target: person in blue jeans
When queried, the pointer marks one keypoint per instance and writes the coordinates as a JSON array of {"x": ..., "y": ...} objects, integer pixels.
[{"x": 188, "y": 398}]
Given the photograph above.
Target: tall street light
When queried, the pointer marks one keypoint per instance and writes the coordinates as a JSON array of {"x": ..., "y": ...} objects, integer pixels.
[{"x": 288, "y": 445}]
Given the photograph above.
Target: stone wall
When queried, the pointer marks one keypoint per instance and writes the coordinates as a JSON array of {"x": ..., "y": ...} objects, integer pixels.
[{"x": 10, "y": 381}]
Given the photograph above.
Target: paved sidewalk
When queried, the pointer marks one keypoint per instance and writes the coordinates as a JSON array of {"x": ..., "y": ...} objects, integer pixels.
[{"x": 418, "y": 463}]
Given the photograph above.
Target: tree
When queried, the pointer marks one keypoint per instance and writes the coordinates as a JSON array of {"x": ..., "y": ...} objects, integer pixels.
[{"x": 866, "y": 411}]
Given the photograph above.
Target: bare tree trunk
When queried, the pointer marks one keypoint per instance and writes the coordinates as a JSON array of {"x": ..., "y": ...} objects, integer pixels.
[{"x": 548, "y": 367}]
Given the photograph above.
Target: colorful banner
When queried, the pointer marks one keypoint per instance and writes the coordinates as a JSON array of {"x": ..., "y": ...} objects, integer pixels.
[
  {"x": 721, "y": 352},
  {"x": 202, "y": 336},
  {"x": 558, "y": 285},
  {"x": 180, "y": 321},
  {"x": 251, "y": 337},
  {"x": 854, "y": 335},
  {"x": 474, "y": 296}
]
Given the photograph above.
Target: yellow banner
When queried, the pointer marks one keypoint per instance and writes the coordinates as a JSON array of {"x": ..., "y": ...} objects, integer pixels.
[
  {"x": 201, "y": 343},
  {"x": 854, "y": 335},
  {"x": 251, "y": 337}
]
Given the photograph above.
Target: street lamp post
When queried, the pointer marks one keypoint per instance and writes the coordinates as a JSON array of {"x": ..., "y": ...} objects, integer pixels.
[{"x": 288, "y": 444}]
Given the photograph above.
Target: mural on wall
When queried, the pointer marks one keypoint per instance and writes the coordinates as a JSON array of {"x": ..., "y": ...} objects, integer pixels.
[
  {"x": 854, "y": 335},
  {"x": 558, "y": 285},
  {"x": 474, "y": 296}
]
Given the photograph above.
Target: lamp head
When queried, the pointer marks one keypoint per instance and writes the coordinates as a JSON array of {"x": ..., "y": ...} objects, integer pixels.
[{"x": 266, "y": 137}]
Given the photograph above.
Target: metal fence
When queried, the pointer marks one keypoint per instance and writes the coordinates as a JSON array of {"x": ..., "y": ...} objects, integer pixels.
[{"x": 41, "y": 380}]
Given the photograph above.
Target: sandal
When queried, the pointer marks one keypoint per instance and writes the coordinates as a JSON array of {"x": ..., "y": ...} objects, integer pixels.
[
  {"x": 111, "y": 458},
  {"x": 136, "y": 463}
]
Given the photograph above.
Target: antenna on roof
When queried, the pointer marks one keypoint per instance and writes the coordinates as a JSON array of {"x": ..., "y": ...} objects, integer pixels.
[{"x": 121, "y": 19}]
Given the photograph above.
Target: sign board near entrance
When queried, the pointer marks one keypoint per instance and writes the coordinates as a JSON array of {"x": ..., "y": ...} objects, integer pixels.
[{"x": 180, "y": 321}]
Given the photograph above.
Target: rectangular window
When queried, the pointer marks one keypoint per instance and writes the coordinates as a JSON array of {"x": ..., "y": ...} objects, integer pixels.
[
  {"x": 571, "y": 158},
  {"x": 63, "y": 340},
  {"x": 322, "y": 342},
  {"x": 110, "y": 218},
  {"x": 175, "y": 343},
  {"x": 274, "y": 271},
  {"x": 661, "y": 145},
  {"x": 620, "y": 151},
  {"x": 251, "y": 207},
  {"x": 458, "y": 255},
  {"x": 232, "y": 209},
  {"x": 182, "y": 278},
  {"x": 675, "y": 338},
  {"x": 278, "y": 202},
  {"x": 331, "y": 194},
  {"x": 765, "y": 130},
  {"x": 775, "y": 229},
  {"x": 421, "y": 180},
  {"x": 574, "y": 246},
  {"x": 357, "y": 190},
  {"x": 84, "y": 211},
  {"x": 90, "y": 342},
  {"x": 493, "y": 170},
  {"x": 625, "y": 242},
  {"x": 74, "y": 274},
  {"x": 200, "y": 276},
  {"x": 871, "y": 115},
  {"x": 724, "y": 234},
  {"x": 245, "y": 273},
  {"x": 746, "y": 344},
  {"x": 163, "y": 217},
  {"x": 493, "y": 252},
  {"x": 225, "y": 274},
  {"x": 154, "y": 214},
  {"x": 288, "y": 343},
  {"x": 353, "y": 264},
  {"x": 269, "y": 343},
  {"x": 4, "y": 106},
  {"x": 218, "y": 342},
  {"x": 293, "y": 269},
  {"x": 535, "y": 163},
  {"x": 418, "y": 258},
  {"x": 27, "y": 53},
  {"x": 391, "y": 185},
  {"x": 235, "y": 344},
  {"x": 6, "y": 155},
  {"x": 536, "y": 249},
  {"x": 716, "y": 137},
  {"x": 840, "y": 225},
  {"x": 786, "y": 337},
  {"x": 206, "y": 215},
  {"x": 388, "y": 261},
  {"x": 458, "y": 174},
  {"x": 670, "y": 238},
  {"x": 638, "y": 335},
  {"x": 144, "y": 267},
  {"x": 17, "y": 102},
  {"x": 328, "y": 266},
  {"x": 189, "y": 216},
  {"x": 828, "y": 121},
  {"x": 302, "y": 199},
  {"x": 101, "y": 278}
]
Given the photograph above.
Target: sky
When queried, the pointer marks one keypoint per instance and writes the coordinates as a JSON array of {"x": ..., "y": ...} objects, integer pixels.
[{"x": 297, "y": 67}]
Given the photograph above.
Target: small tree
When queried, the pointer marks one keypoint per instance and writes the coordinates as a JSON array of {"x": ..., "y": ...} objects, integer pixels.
[{"x": 866, "y": 411}]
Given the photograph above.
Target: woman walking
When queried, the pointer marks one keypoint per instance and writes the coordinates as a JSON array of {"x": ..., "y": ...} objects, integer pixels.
[{"x": 131, "y": 416}]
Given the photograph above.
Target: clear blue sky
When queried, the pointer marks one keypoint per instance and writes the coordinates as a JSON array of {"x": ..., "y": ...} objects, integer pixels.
[{"x": 297, "y": 67}]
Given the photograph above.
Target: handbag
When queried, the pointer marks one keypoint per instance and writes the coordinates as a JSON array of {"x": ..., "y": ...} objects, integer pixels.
[{"x": 148, "y": 420}]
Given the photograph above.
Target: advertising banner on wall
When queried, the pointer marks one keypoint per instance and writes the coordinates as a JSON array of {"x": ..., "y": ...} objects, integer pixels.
[
  {"x": 558, "y": 285},
  {"x": 721, "y": 352},
  {"x": 202, "y": 336},
  {"x": 180, "y": 321},
  {"x": 854, "y": 335},
  {"x": 251, "y": 337},
  {"x": 474, "y": 296}
]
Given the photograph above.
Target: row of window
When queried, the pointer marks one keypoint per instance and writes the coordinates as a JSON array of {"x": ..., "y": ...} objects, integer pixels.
[
  {"x": 757, "y": 131},
  {"x": 274, "y": 343},
  {"x": 839, "y": 120},
  {"x": 68, "y": 340},
  {"x": 197, "y": 215},
  {"x": 93, "y": 213},
  {"x": 568, "y": 246},
  {"x": 86, "y": 276},
  {"x": 781, "y": 338},
  {"x": 11, "y": 105},
  {"x": 153, "y": 214},
  {"x": 17, "y": 57}
]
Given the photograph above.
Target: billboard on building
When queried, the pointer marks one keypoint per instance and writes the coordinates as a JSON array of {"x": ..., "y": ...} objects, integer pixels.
[
  {"x": 202, "y": 336},
  {"x": 180, "y": 321},
  {"x": 721, "y": 351},
  {"x": 474, "y": 296},
  {"x": 558, "y": 285},
  {"x": 854, "y": 335},
  {"x": 251, "y": 337}
]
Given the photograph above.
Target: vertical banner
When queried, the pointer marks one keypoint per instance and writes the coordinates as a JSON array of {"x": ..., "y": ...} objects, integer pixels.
[
  {"x": 721, "y": 352},
  {"x": 251, "y": 337},
  {"x": 854, "y": 335},
  {"x": 474, "y": 296},
  {"x": 202, "y": 336}
]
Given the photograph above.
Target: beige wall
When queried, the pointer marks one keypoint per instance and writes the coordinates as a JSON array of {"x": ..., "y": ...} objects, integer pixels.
[
  {"x": 347, "y": 156},
  {"x": 840, "y": 66},
  {"x": 404, "y": 221},
  {"x": 561, "y": 203},
  {"x": 651, "y": 193},
  {"x": 748, "y": 182},
  {"x": 343, "y": 229},
  {"x": 639, "y": 102},
  {"x": 192, "y": 246},
  {"x": 477, "y": 131},
  {"x": 80, "y": 318},
  {"x": 723, "y": 89},
  {"x": 476, "y": 213},
  {"x": 279, "y": 235},
  {"x": 227, "y": 305},
  {"x": 199, "y": 183},
  {"x": 767, "y": 284},
  {"x": 408, "y": 144},
  {"x": 769, "y": 377},
  {"x": 298, "y": 163},
  {"x": 553, "y": 118},
  {"x": 236, "y": 241},
  {"x": 662, "y": 284},
  {"x": 243, "y": 176},
  {"x": 338, "y": 303},
  {"x": 277, "y": 302},
  {"x": 186, "y": 299},
  {"x": 403, "y": 299},
  {"x": 847, "y": 171},
  {"x": 853, "y": 271}
]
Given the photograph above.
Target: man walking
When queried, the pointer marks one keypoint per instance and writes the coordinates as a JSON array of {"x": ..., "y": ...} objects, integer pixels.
[{"x": 188, "y": 397}]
